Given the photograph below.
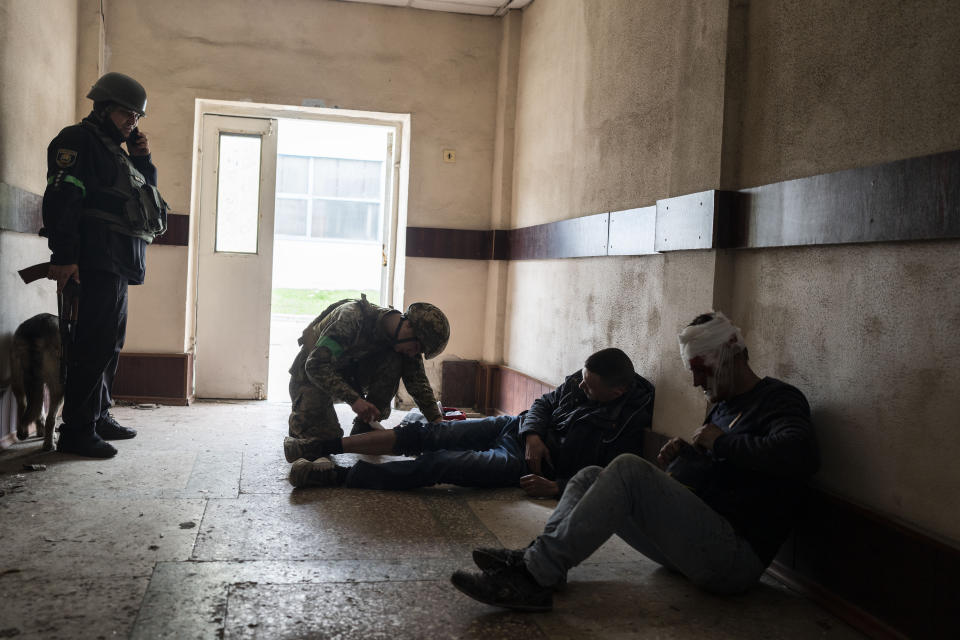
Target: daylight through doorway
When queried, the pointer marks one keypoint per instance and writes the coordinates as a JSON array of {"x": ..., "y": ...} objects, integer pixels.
[{"x": 329, "y": 229}]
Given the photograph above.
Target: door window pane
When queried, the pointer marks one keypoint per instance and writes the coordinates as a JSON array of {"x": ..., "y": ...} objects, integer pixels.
[
  {"x": 238, "y": 193},
  {"x": 293, "y": 174},
  {"x": 291, "y": 217}
]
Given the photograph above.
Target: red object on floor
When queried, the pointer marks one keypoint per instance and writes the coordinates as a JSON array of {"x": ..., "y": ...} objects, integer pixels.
[{"x": 452, "y": 413}]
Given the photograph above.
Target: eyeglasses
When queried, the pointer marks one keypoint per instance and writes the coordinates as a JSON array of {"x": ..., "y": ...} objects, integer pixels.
[{"x": 127, "y": 114}]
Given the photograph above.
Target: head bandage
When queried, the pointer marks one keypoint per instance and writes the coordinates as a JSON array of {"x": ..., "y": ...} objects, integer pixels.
[{"x": 714, "y": 341}]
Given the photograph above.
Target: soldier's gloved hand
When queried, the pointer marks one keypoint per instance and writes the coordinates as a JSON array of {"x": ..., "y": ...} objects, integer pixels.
[{"x": 365, "y": 410}]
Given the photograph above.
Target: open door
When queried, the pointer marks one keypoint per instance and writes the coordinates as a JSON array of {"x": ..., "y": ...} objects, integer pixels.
[{"x": 238, "y": 157}]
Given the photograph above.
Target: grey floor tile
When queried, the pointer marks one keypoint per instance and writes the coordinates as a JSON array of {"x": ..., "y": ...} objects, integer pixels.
[
  {"x": 321, "y": 523},
  {"x": 69, "y": 608},
  {"x": 52, "y": 538},
  {"x": 366, "y": 611},
  {"x": 189, "y": 599}
]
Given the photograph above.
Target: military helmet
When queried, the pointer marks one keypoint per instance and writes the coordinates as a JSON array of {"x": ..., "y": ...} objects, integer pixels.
[
  {"x": 430, "y": 325},
  {"x": 122, "y": 89}
]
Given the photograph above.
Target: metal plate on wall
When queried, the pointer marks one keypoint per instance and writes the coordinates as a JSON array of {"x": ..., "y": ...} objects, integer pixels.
[
  {"x": 686, "y": 222},
  {"x": 632, "y": 232}
]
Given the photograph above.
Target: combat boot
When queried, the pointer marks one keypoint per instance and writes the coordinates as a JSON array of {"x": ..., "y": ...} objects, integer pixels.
[
  {"x": 307, "y": 448},
  {"x": 85, "y": 443},
  {"x": 109, "y": 429},
  {"x": 319, "y": 473}
]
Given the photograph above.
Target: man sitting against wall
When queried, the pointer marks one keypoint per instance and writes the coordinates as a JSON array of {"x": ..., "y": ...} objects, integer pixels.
[
  {"x": 718, "y": 510},
  {"x": 597, "y": 414}
]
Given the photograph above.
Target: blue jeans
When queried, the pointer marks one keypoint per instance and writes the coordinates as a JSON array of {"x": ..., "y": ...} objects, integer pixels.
[
  {"x": 485, "y": 452},
  {"x": 654, "y": 514}
]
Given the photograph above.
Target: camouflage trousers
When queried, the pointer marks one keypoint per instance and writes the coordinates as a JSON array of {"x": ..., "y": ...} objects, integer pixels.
[{"x": 376, "y": 378}]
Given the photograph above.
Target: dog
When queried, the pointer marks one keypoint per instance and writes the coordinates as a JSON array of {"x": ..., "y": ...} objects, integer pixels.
[{"x": 35, "y": 363}]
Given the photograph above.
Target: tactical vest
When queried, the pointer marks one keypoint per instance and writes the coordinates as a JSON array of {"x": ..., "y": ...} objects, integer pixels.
[
  {"x": 142, "y": 211},
  {"x": 311, "y": 334}
]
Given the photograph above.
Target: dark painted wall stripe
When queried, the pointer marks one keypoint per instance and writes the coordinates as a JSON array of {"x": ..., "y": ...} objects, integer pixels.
[
  {"x": 913, "y": 199},
  {"x": 178, "y": 231},
  {"x": 20, "y": 210},
  {"x": 426, "y": 242}
]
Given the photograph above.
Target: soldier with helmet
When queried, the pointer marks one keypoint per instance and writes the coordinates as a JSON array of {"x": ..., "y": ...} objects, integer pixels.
[
  {"x": 100, "y": 210},
  {"x": 357, "y": 352}
]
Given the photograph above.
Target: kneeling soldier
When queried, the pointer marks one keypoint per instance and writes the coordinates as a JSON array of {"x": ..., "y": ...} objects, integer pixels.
[{"x": 357, "y": 352}]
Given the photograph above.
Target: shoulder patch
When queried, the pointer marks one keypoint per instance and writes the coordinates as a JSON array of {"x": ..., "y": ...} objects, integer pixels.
[
  {"x": 66, "y": 158},
  {"x": 331, "y": 345}
]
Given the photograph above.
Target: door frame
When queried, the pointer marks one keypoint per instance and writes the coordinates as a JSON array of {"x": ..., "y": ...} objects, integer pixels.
[{"x": 396, "y": 229}]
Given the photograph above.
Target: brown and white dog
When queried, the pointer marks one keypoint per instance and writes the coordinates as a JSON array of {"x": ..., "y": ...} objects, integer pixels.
[{"x": 35, "y": 363}]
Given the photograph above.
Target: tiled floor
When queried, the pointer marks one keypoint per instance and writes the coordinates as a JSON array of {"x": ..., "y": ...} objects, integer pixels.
[{"x": 193, "y": 532}]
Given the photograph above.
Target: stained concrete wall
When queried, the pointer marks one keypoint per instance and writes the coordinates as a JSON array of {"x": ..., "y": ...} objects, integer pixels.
[
  {"x": 868, "y": 331},
  {"x": 38, "y": 48},
  {"x": 623, "y": 103},
  {"x": 439, "y": 67},
  {"x": 620, "y": 103}
]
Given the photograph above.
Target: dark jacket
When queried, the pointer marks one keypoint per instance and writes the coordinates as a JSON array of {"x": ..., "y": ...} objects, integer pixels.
[
  {"x": 756, "y": 473},
  {"x": 79, "y": 168},
  {"x": 580, "y": 433}
]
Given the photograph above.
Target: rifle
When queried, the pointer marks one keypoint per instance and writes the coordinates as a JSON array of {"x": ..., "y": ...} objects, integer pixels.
[
  {"x": 67, "y": 308},
  {"x": 68, "y": 305},
  {"x": 34, "y": 273}
]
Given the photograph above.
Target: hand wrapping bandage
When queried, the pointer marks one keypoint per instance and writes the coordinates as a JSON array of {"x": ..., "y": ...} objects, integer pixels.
[{"x": 713, "y": 341}]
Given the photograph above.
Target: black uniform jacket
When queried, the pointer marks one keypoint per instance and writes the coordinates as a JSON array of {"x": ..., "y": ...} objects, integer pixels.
[
  {"x": 79, "y": 167},
  {"x": 579, "y": 432}
]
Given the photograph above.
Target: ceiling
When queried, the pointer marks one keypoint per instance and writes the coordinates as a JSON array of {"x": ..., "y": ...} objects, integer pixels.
[{"x": 475, "y": 7}]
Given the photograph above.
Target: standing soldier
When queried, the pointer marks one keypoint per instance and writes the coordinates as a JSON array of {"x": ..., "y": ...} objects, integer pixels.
[
  {"x": 357, "y": 352},
  {"x": 100, "y": 210}
]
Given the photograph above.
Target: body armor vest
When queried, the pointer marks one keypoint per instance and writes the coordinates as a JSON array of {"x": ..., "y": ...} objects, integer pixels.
[{"x": 141, "y": 212}]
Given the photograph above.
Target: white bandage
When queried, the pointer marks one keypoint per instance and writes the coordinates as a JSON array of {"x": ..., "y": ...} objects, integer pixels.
[{"x": 711, "y": 341}]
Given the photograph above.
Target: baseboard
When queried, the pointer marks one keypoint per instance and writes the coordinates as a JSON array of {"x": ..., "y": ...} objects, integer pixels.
[
  {"x": 853, "y": 615},
  {"x": 162, "y": 378},
  {"x": 879, "y": 576}
]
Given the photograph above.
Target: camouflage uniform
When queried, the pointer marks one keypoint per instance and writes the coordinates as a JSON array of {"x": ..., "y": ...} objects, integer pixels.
[{"x": 346, "y": 355}]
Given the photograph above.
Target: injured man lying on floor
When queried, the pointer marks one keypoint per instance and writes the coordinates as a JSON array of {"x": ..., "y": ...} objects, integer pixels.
[
  {"x": 597, "y": 414},
  {"x": 716, "y": 511}
]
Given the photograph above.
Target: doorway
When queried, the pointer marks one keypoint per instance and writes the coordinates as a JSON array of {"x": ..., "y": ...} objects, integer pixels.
[
  {"x": 297, "y": 208},
  {"x": 332, "y": 191}
]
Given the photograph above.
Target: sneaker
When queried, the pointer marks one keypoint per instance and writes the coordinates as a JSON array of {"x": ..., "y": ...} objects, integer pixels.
[
  {"x": 495, "y": 559},
  {"x": 109, "y": 429},
  {"x": 319, "y": 473},
  {"x": 88, "y": 445},
  {"x": 510, "y": 588}
]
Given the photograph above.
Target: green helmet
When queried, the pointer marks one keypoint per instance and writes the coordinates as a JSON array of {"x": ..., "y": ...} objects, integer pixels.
[
  {"x": 122, "y": 89},
  {"x": 430, "y": 325}
]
